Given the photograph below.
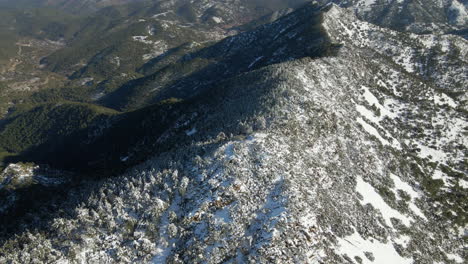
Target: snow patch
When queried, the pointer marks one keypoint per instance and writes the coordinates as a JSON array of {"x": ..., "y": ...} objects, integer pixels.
[
  {"x": 443, "y": 99},
  {"x": 371, "y": 130},
  {"x": 370, "y": 196},
  {"x": 372, "y": 100},
  {"x": 367, "y": 4},
  {"x": 160, "y": 14},
  {"x": 455, "y": 258},
  {"x": 217, "y": 20},
  {"x": 142, "y": 39},
  {"x": 435, "y": 155},
  {"x": 403, "y": 240},
  {"x": 384, "y": 253},
  {"x": 255, "y": 61},
  {"x": 191, "y": 132},
  {"x": 459, "y": 10},
  {"x": 87, "y": 81},
  {"x": 158, "y": 47},
  {"x": 166, "y": 243},
  {"x": 222, "y": 216},
  {"x": 401, "y": 185}
]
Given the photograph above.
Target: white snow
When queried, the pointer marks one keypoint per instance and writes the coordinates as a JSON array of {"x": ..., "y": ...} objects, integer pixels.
[
  {"x": 370, "y": 97},
  {"x": 445, "y": 45},
  {"x": 366, "y": 5},
  {"x": 159, "y": 47},
  {"x": 401, "y": 185},
  {"x": 115, "y": 60},
  {"x": 435, "y": 155},
  {"x": 443, "y": 99},
  {"x": 19, "y": 173},
  {"x": 368, "y": 2},
  {"x": 217, "y": 19},
  {"x": 402, "y": 240},
  {"x": 417, "y": 211},
  {"x": 255, "y": 61},
  {"x": 160, "y": 14},
  {"x": 165, "y": 243},
  {"x": 309, "y": 220},
  {"x": 370, "y": 196},
  {"x": 222, "y": 216},
  {"x": 459, "y": 8},
  {"x": 372, "y": 100},
  {"x": 150, "y": 30},
  {"x": 450, "y": 132},
  {"x": 438, "y": 175},
  {"x": 455, "y": 258},
  {"x": 428, "y": 41},
  {"x": 404, "y": 59},
  {"x": 371, "y": 130},
  {"x": 85, "y": 81},
  {"x": 456, "y": 129},
  {"x": 463, "y": 183},
  {"x": 142, "y": 39},
  {"x": 355, "y": 245},
  {"x": 368, "y": 114},
  {"x": 264, "y": 219},
  {"x": 191, "y": 132},
  {"x": 229, "y": 151}
]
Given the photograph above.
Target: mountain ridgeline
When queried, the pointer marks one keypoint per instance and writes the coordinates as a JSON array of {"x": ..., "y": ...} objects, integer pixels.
[
  {"x": 237, "y": 132},
  {"x": 94, "y": 141},
  {"x": 89, "y": 138}
]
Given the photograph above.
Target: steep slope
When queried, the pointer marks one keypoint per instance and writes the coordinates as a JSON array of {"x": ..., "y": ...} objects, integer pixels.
[
  {"x": 414, "y": 16},
  {"x": 119, "y": 43},
  {"x": 87, "y": 138},
  {"x": 357, "y": 157},
  {"x": 110, "y": 44},
  {"x": 286, "y": 39}
]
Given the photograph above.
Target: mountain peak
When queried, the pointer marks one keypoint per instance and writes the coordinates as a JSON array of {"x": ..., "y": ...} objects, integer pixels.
[{"x": 315, "y": 138}]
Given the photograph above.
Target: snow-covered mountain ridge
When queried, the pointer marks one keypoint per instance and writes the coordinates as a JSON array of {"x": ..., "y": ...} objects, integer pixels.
[
  {"x": 353, "y": 158},
  {"x": 413, "y": 16}
]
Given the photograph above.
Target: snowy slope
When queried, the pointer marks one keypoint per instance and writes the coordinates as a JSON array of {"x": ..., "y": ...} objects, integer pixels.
[
  {"x": 332, "y": 159},
  {"x": 414, "y": 16}
]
